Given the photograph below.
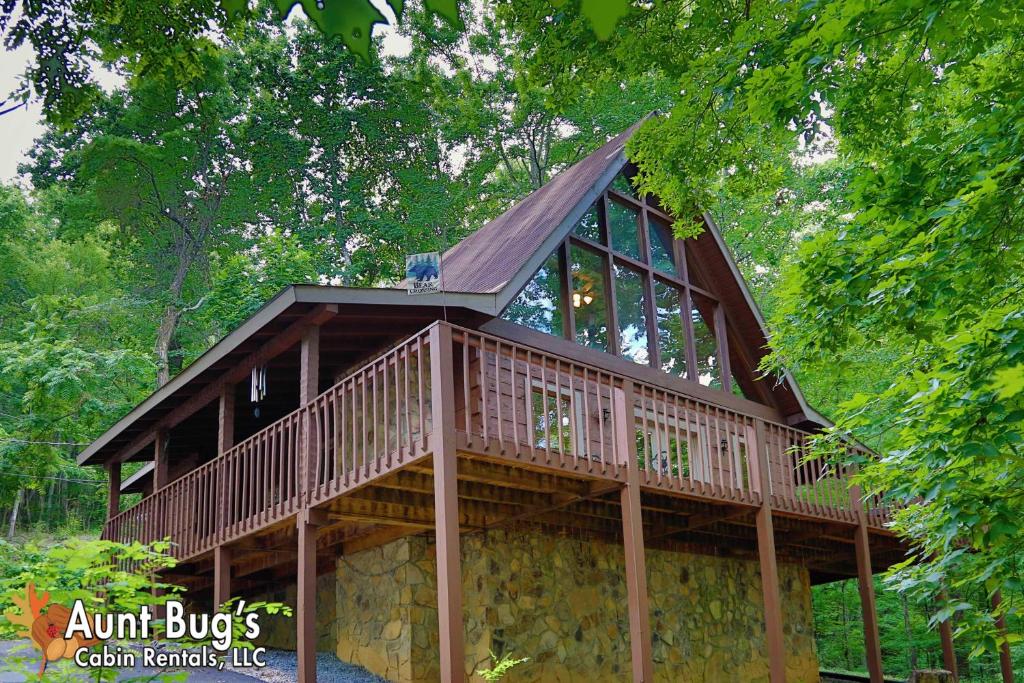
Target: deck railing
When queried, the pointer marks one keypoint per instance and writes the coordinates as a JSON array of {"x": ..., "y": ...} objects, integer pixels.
[
  {"x": 374, "y": 419},
  {"x": 510, "y": 399}
]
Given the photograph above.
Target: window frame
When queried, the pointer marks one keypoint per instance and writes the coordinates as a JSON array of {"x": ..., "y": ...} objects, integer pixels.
[{"x": 646, "y": 207}]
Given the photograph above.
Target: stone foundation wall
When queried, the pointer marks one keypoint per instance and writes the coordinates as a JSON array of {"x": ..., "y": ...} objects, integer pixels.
[
  {"x": 562, "y": 603},
  {"x": 278, "y": 631}
]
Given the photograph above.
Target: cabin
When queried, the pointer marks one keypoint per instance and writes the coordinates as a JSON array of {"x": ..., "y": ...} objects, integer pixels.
[{"x": 567, "y": 454}]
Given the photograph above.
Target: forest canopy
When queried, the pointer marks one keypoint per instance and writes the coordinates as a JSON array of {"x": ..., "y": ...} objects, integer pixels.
[{"x": 863, "y": 160}]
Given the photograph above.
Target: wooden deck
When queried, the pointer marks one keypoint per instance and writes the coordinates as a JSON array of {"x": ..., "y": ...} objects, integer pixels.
[{"x": 539, "y": 437}]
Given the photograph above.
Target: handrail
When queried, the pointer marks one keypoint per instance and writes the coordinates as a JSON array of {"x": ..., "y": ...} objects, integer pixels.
[{"x": 510, "y": 398}]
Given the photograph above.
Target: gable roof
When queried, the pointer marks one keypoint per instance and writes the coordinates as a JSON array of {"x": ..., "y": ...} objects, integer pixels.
[
  {"x": 502, "y": 256},
  {"x": 489, "y": 260}
]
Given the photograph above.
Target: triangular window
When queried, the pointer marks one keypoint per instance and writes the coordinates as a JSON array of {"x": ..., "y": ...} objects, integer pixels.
[{"x": 619, "y": 283}]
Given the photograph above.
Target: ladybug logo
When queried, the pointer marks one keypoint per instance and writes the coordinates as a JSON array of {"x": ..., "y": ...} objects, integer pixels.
[{"x": 46, "y": 627}]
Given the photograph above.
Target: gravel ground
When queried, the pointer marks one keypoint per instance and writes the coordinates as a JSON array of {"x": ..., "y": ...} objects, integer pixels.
[{"x": 281, "y": 668}]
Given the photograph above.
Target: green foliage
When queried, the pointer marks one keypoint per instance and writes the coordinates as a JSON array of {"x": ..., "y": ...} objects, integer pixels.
[
  {"x": 917, "y": 274},
  {"x": 907, "y": 637},
  {"x": 502, "y": 665}
]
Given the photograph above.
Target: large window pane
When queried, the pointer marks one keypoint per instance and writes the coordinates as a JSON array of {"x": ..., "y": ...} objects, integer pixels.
[
  {"x": 622, "y": 184},
  {"x": 660, "y": 237},
  {"x": 708, "y": 371},
  {"x": 589, "y": 227},
  {"x": 671, "y": 340},
  {"x": 622, "y": 223},
  {"x": 590, "y": 299},
  {"x": 539, "y": 304},
  {"x": 630, "y": 302}
]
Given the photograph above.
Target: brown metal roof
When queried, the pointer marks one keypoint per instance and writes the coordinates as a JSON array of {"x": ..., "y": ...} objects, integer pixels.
[{"x": 488, "y": 259}]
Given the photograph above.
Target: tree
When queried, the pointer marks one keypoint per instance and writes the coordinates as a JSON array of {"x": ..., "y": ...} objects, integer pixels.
[{"x": 922, "y": 105}]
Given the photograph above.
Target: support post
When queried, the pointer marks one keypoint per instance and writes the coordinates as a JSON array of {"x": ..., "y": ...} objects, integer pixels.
[
  {"x": 226, "y": 419},
  {"x": 948, "y": 651},
  {"x": 446, "y": 506},
  {"x": 160, "y": 461},
  {"x": 865, "y": 583},
  {"x": 773, "y": 628},
  {"x": 221, "y": 575},
  {"x": 633, "y": 540},
  {"x": 307, "y": 521},
  {"x": 114, "y": 499},
  {"x": 1005, "y": 662},
  {"x": 309, "y": 371}
]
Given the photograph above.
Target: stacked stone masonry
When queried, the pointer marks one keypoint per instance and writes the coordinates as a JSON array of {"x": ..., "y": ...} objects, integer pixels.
[{"x": 562, "y": 602}]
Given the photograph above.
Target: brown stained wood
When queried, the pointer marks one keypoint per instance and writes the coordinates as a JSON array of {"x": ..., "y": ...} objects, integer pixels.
[
  {"x": 226, "y": 419},
  {"x": 633, "y": 545},
  {"x": 869, "y": 613},
  {"x": 305, "y": 599},
  {"x": 114, "y": 496},
  {"x": 446, "y": 507},
  {"x": 774, "y": 634},
  {"x": 160, "y": 460},
  {"x": 274, "y": 347},
  {"x": 221, "y": 575}
]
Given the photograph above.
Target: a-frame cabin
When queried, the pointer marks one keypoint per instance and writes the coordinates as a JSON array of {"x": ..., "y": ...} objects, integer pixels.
[{"x": 567, "y": 454}]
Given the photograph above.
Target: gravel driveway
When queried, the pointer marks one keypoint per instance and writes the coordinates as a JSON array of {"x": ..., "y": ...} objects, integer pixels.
[{"x": 281, "y": 668}]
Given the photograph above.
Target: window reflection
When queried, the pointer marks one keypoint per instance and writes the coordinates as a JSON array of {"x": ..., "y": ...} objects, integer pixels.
[
  {"x": 708, "y": 370},
  {"x": 622, "y": 223},
  {"x": 589, "y": 226},
  {"x": 662, "y": 253},
  {"x": 538, "y": 306},
  {"x": 623, "y": 185},
  {"x": 630, "y": 303},
  {"x": 671, "y": 340},
  {"x": 589, "y": 299}
]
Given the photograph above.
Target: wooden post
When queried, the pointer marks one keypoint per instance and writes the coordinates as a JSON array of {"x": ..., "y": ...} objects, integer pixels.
[
  {"x": 307, "y": 522},
  {"x": 114, "y": 499},
  {"x": 865, "y": 583},
  {"x": 160, "y": 461},
  {"x": 773, "y": 628},
  {"x": 946, "y": 638},
  {"x": 1005, "y": 662},
  {"x": 309, "y": 371},
  {"x": 948, "y": 653},
  {"x": 633, "y": 540},
  {"x": 221, "y": 575},
  {"x": 226, "y": 419},
  {"x": 446, "y": 506}
]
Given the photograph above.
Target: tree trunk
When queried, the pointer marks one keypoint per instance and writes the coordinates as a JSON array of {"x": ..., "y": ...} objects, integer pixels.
[
  {"x": 846, "y": 628},
  {"x": 909, "y": 633},
  {"x": 164, "y": 340},
  {"x": 13, "y": 523}
]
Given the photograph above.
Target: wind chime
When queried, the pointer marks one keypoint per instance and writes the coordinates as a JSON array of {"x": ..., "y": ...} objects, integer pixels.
[{"x": 258, "y": 388}]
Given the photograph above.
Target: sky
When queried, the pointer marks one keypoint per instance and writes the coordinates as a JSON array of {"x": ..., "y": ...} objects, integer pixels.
[{"x": 19, "y": 128}]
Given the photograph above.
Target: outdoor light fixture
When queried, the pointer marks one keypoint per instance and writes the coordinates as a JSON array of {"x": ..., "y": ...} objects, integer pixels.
[{"x": 575, "y": 299}]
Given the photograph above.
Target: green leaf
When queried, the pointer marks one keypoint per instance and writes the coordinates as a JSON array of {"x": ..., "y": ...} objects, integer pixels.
[
  {"x": 449, "y": 9},
  {"x": 352, "y": 20},
  {"x": 603, "y": 15},
  {"x": 1009, "y": 382},
  {"x": 234, "y": 8}
]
